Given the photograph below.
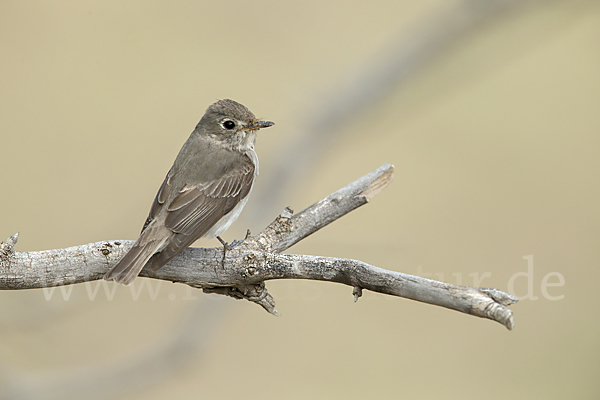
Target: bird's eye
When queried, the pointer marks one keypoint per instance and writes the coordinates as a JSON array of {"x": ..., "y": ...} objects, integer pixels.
[{"x": 228, "y": 124}]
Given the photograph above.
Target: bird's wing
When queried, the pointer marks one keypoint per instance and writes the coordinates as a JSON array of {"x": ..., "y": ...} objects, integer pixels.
[
  {"x": 160, "y": 199},
  {"x": 196, "y": 208}
]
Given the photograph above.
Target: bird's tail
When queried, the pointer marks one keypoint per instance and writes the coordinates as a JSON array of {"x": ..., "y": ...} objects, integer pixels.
[{"x": 128, "y": 267}]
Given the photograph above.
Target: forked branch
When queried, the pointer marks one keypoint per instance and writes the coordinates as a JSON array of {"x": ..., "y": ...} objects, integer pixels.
[{"x": 244, "y": 270}]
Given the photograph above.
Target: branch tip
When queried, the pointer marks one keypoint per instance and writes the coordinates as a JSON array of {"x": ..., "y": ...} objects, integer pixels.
[
  {"x": 287, "y": 213},
  {"x": 357, "y": 292},
  {"x": 510, "y": 323},
  {"x": 7, "y": 246},
  {"x": 386, "y": 172}
]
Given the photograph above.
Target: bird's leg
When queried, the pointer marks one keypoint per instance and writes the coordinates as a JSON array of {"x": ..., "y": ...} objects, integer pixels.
[
  {"x": 226, "y": 245},
  {"x": 225, "y": 248}
]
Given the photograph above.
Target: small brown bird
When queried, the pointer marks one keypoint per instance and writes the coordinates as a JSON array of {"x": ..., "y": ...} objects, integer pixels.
[{"x": 203, "y": 193}]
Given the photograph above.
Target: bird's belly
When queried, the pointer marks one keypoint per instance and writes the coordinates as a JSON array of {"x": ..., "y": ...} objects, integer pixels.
[{"x": 225, "y": 222}]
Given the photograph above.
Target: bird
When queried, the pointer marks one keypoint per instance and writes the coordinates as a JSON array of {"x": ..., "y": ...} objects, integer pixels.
[{"x": 203, "y": 193}]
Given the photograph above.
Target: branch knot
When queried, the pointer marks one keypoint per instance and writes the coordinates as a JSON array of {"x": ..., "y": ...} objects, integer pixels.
[
  {"x": 7, "y": 249},
  {"x": 256, "y": 293}
]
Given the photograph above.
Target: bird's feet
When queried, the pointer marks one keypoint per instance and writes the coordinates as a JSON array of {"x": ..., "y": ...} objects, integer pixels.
[{"x": 230, "y": 246}]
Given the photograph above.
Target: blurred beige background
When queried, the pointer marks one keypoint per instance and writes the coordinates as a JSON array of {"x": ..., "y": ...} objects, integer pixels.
[{"x": 495, "y": 143}]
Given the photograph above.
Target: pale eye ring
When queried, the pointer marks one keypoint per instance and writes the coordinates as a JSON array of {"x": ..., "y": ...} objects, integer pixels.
[{"x": 228, "y": 124}]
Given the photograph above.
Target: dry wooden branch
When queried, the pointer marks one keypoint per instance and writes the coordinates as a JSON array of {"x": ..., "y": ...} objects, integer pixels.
[{"x": 244, "y": 270}]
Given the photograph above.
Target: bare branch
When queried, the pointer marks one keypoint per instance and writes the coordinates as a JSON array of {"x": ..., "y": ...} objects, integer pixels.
[
  {"x": 326, "y": 211},
  {"x": 245, "y": 268}
]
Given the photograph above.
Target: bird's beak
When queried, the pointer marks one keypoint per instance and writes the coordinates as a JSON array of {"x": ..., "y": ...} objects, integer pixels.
[{"x": 258, "y": 125}]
